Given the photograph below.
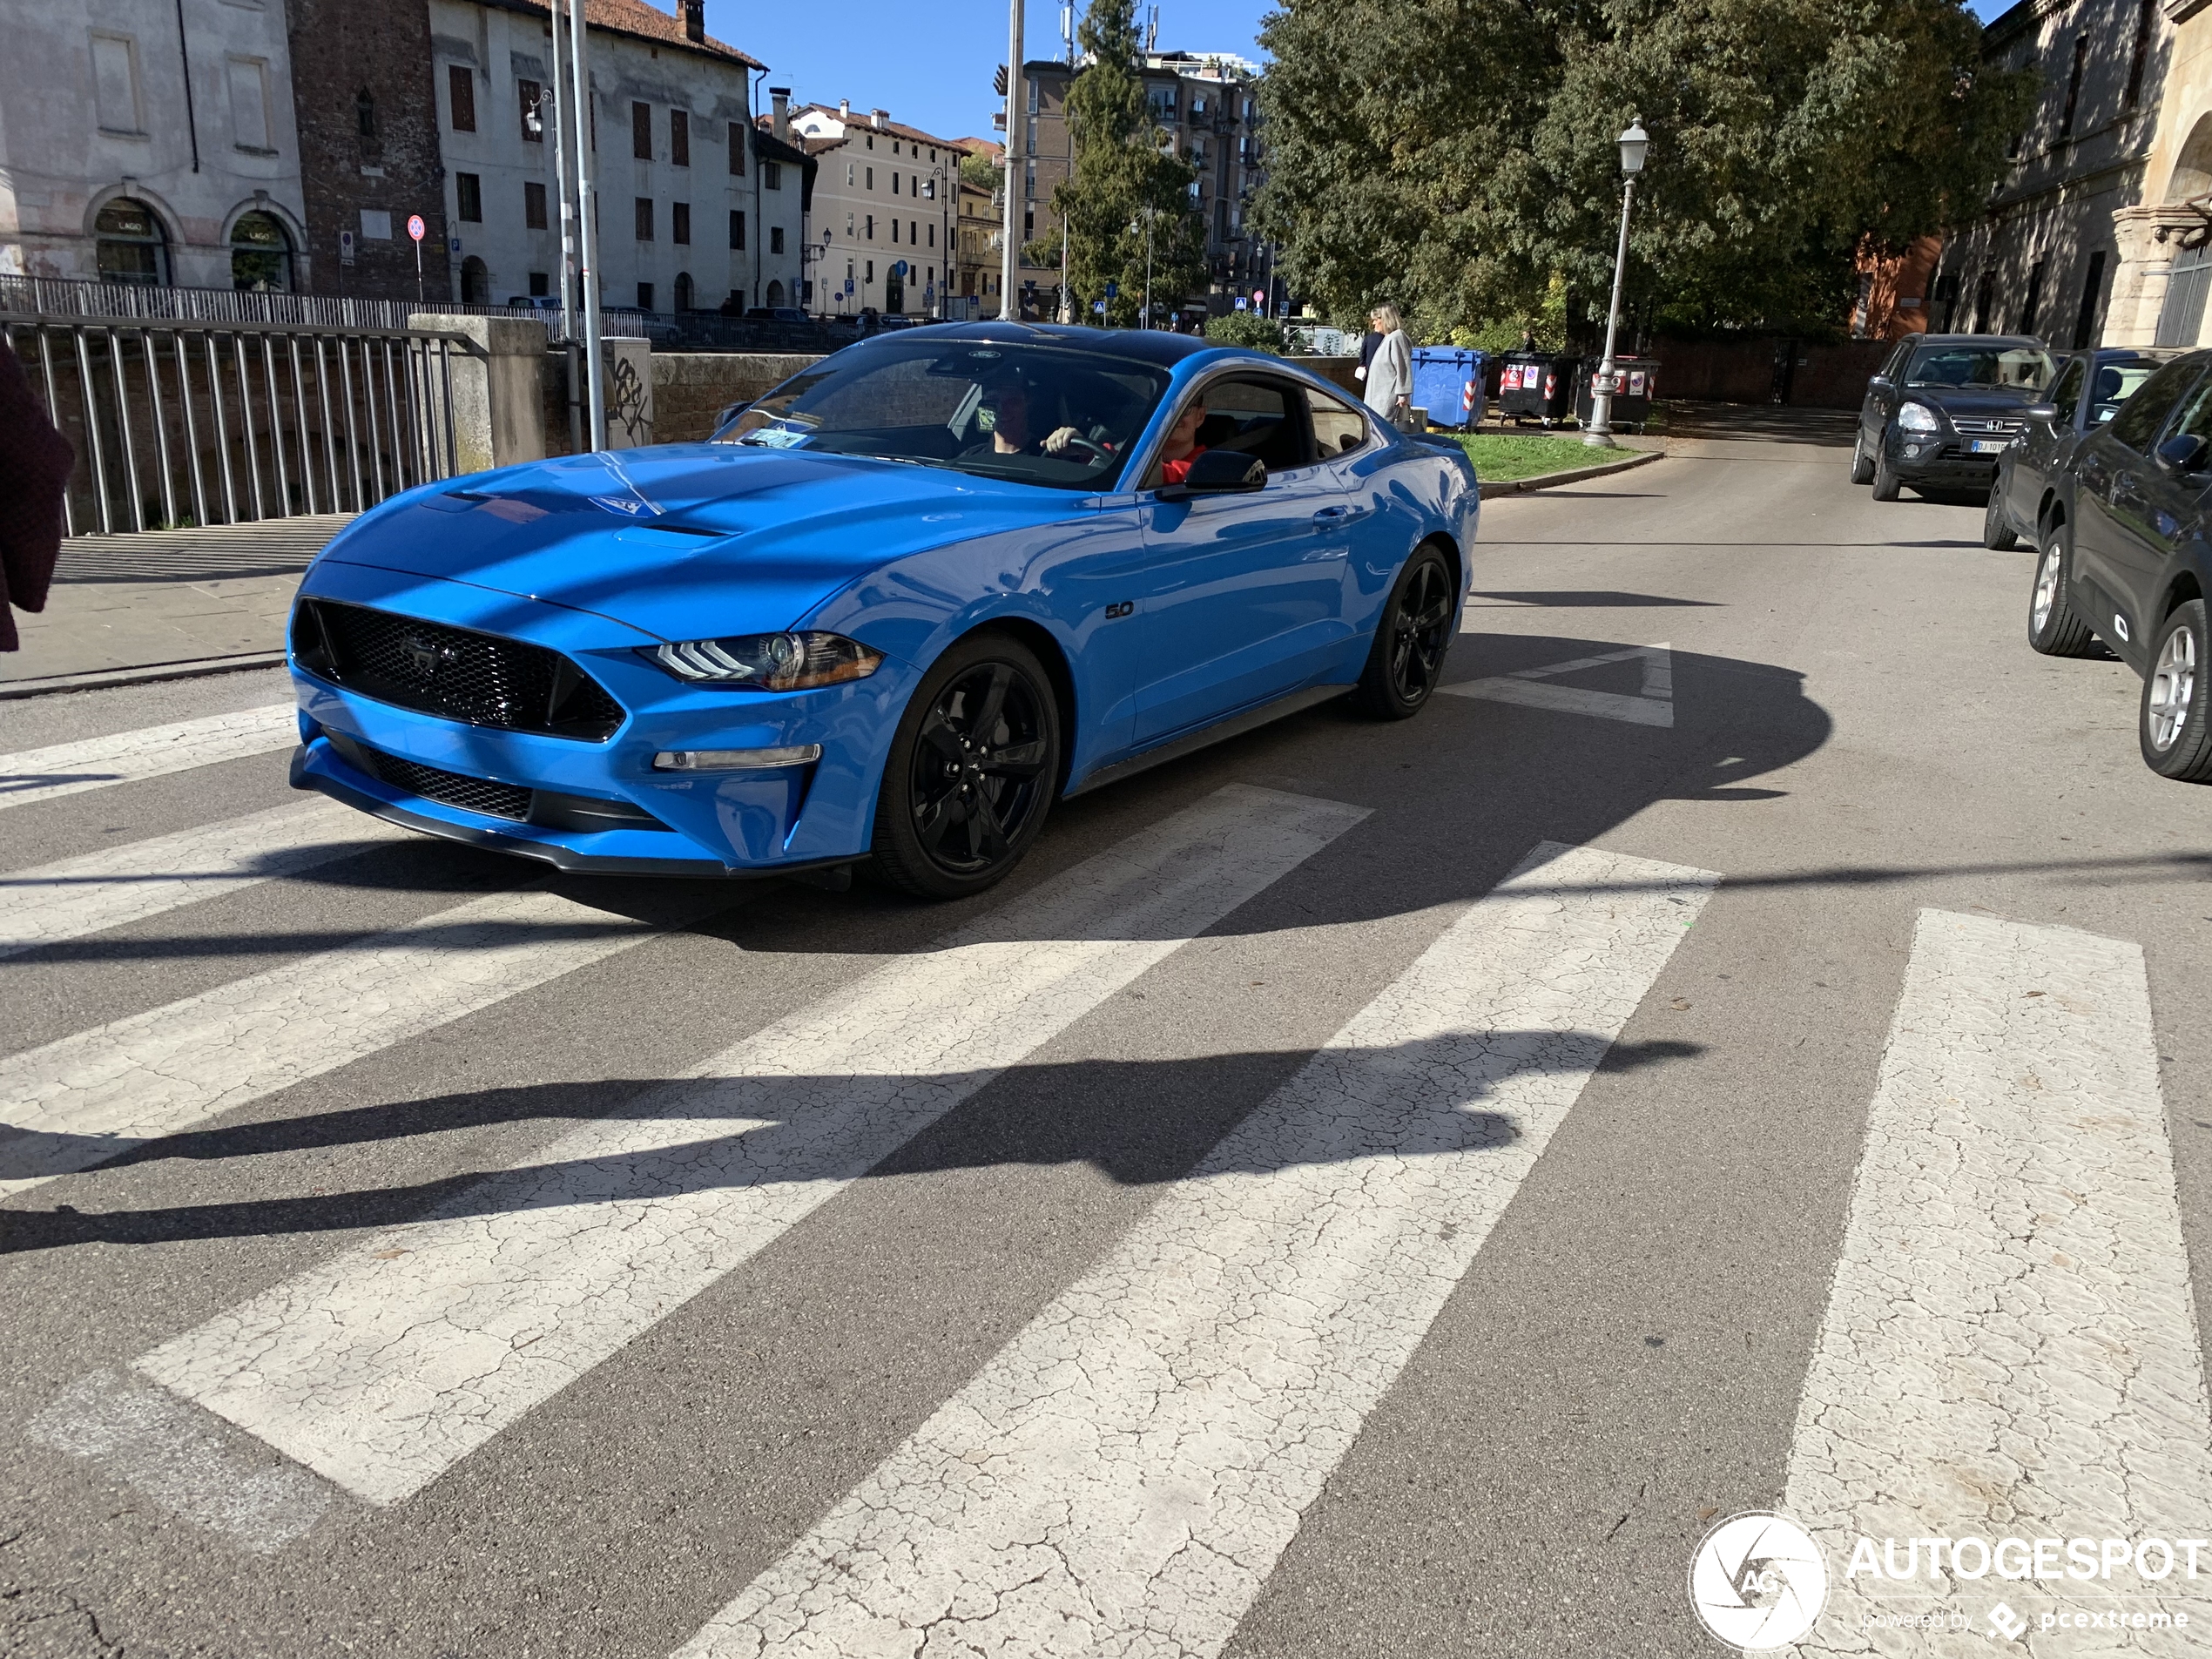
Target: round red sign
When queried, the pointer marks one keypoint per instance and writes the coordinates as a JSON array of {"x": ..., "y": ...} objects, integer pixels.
[{"x": 414, "y": 225}]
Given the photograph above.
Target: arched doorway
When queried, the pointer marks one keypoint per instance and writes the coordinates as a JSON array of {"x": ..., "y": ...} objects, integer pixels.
[
  {"x": 683, "y": 290},
  {"x": 2192, "y": 171},
  {"x": 260, "y": 254},
  {"x": 775, "y": 294},
  {"x": 132, "y": 246},
  {"x": 476, "y": 282}
]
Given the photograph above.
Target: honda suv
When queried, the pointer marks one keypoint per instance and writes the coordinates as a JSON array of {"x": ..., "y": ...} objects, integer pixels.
[
  {"x": 1941, "y": 409},
  {"x": 2091, "y": 387}
]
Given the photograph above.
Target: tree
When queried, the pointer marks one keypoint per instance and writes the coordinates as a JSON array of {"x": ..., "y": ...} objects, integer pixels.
[
  {"x": 1457, "y": 156},
  {"x": 1120, "y": 170}
]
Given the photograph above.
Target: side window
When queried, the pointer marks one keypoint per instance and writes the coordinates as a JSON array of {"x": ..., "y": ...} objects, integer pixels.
[
  {"x": 2138, "y": 423},
  {"x": 1337, "y": 426},
  {"x": 1257, "y": 417},
  {"x": 2066, "y": 395},
  {"x": 1895, "y": 364},
  {"x": 2196, "y": 418}
]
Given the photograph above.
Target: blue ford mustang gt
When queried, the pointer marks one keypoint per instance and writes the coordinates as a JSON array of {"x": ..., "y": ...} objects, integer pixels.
[{"x": 890, "y": 612}]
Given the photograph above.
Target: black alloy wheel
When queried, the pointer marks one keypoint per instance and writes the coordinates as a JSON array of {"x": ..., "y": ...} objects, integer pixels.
[
  {"x": 1415, "y": 632},
  {"x": 1862, "y": 464},
  {"x": 971, "y": 772},
  {"x": 1996, "y": 528}
]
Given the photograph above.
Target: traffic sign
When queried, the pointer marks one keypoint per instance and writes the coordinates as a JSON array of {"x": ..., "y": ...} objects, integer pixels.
[
  {"x": 345, "y": 247},
  {"x": 1242, "y": 303},
  {"x": 1113, "y": 290},
  {"x": 1259, "y": 299},
  {"x": 848, "y": 284},
  {"x": 416, "y": 226},
  {"x": 1098, "y": 306},
  {"x": 898, "y": 268}
]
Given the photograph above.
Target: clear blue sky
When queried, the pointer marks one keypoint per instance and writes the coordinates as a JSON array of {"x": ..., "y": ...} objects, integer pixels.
[{"x": 931, "y": 64}]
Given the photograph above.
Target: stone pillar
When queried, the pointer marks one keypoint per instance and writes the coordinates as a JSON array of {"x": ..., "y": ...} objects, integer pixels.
[
  {"x": 498, "y": 415},
  {"x": 629, "y": 369},
  {"x": 2148, "y": 237}
]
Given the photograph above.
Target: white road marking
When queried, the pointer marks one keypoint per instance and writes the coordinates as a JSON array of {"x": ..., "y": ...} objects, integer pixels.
[
  {"x": 69, "y": 768},
  {"x": 1529, "y": 688},
  {"x": 383, "y": 1367},
  {"x": 1123, "y": 1476},
  {"x": 2010, "y": 1348},
  {"x": 106, "y": 889},
  {"x": 184, "y": 1460},
  {"x": 88, "y": 1096}
]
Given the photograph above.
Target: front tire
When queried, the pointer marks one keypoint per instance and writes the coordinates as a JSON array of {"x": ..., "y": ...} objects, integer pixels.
[
  {"x": 1887, "y": 481},
  {"x": 1414, "y": 632},
  {"x": 2054, "y": 627},
  {"x": 1996, "y": 527},
  {"x": 1862, "y": 467},
  {"x": 2175, "y": 723},
  {"x": 972, "y": 771}
]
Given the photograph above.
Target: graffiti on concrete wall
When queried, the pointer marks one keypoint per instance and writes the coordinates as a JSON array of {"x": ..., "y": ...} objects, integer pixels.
[{"x": 626, "y": 405}]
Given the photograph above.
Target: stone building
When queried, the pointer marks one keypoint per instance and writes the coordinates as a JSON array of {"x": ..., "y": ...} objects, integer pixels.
[
  {"x": 696, "y": 205},
  {"x": 2048, "y": 257},
  {"x": 887, "y": 197},
  {"x": 1206, "y": 106},
  {"x": 151, "y": 141},
  {"x": 368, "y": 145},
  {"x": 2165, "y": 264}
]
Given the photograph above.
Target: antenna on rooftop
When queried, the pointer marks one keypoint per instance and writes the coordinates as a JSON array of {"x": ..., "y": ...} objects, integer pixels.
[{"x": 1151, "y": 29}]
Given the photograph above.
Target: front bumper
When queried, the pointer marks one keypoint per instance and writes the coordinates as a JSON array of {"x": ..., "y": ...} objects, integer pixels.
[
  {"x": 601, "y": 806},
  {"x": 1941, "y": 458}
]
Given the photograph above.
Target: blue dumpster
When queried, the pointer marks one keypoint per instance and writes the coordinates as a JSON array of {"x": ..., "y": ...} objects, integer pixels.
[{"x": 1447, "y": 383}]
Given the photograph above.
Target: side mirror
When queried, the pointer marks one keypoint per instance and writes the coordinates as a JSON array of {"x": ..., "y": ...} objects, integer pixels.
[
  {"x": 2182, "y": 453},
  {"x": 1882, "y": 380},
  {"x": 1218, "y": 472},
  {"x": 2042, "y": 412}
]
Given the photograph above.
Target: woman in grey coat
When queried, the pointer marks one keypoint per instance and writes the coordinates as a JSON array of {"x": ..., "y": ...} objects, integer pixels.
[{"x": 1390, "y": 377}]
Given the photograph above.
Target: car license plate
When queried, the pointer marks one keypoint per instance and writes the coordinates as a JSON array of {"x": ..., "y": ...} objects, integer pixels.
[{"x": 1990, "y": 445}]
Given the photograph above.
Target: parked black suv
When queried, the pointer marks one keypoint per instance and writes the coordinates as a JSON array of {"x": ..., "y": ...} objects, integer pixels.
[
  {"x": 2088, "y": 392},
  {"x": 2127, "y": 555},
  {"x": 1941, "y": 409}
]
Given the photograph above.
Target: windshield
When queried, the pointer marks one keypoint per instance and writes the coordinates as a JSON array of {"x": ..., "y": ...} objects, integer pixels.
[
  {"x": 2027, "y": 367},
  {"x": 1035, "y": 415}
]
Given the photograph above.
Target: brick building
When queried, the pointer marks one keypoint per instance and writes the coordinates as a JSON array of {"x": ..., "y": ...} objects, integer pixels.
[{"x": 367, "y": 120}]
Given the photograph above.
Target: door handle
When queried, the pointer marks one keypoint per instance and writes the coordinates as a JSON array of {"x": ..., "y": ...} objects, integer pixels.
[{"x": 1328, "y": 514}]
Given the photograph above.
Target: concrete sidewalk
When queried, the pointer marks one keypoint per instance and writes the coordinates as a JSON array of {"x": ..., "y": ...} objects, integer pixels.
[{"x": 164, "y": 605}]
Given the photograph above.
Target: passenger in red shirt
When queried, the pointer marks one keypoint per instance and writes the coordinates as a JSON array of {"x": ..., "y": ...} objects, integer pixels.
[{"x": 1183, "y": 447}]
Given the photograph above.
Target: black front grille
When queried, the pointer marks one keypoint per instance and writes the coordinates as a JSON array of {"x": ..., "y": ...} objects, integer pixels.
[
  {"x": 1975, "y": 426},
  {"x": 452, "y": 788},
  {"x": 481, "y": 678}
]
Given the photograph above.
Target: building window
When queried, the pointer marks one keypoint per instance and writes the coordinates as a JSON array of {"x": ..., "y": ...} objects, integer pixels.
[
  {"x": 2085, "y": 323},
  {"x": 680, "y": 144},
  {"x": 684, "y": 301},
  {"x": 644, "y": 296},
  {"x": 737, "y": 229},
  {"x": 933, "y": 236},
  {"x": 772, "y": 175},
  {"x": 894, "y": 184},
  {"x": 641, "y": 132},
  {"x": 1984, "y": 292},
  {"x": 2073, "y": 85},
  {"x": 679, "y": 228},
  {"x": 848, "y": 223},
  {"x": 2181, "y": 319},
  {"x": 2146, "y": 19},
  {"x": 260, "y": 254},
  {"x": 645, "y": 219},
  {"x": 872, "y": 227},
  {"x": 541, "y": 285},
  {"x": 532, "y": 207},
  {"x": 737, "y": 148},
  {"x": 848, "y": 175},
  {"x": 775, "y": 238},
  {"x": 736, "y": 303},
  {"x": 468, "y": 195},
  {"x": 115, "y": 82},
  {"x": 894, "y": 230},
  {"x": 476, "y": 282},
  {"x": 461, "y": 93},
  {"x": 526, "y": 97},
  {"x": 871, "y": 178},
  {"x": 2035, "y": 296},
  {"x": 249, "y": 79},
  {"x": 365, "y": 113}
]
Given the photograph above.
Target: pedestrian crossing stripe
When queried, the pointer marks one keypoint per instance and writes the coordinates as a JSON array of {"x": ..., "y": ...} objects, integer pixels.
[
  {"x": 1530, "y": 688},
  {"x": 33, "y": 775}
]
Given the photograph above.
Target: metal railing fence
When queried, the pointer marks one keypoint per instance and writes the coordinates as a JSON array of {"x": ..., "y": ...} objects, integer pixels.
[
  {"x": 72, "y": 297},
  {"x": 188, "y": 423}
]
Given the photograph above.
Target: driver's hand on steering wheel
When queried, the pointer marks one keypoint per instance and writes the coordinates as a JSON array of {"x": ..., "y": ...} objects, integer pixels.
[{"x": 1058, "y": 441}]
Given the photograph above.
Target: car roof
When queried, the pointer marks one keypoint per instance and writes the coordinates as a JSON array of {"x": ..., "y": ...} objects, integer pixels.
[
  {"x": 1148, "y": 345},
  {"x": 1981, "y": 339}
]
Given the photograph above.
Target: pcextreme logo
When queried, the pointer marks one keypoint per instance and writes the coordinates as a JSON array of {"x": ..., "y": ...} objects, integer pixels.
[{"x": 1758, "y": 1582}]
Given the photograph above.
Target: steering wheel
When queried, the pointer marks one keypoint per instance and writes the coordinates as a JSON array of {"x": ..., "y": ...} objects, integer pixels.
[{"x": 1098, "y": 453}]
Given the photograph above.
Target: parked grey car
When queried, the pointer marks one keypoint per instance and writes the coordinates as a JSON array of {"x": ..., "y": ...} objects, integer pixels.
[{"x": 2088, "y": 392}]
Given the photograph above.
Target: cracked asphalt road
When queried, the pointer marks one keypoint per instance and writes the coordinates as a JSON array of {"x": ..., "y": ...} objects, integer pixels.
[{"x": 1297, "y": 1221}]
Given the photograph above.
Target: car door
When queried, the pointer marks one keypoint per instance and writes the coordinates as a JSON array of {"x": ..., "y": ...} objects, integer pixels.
[
  {"x": 1241, "y": 596},
  {"x": 2043, "y": 443},
  {"x": 2163, "y": 509},
  {"x": 2113, "y": 516},
  {"x": 1881, "y": 399}
]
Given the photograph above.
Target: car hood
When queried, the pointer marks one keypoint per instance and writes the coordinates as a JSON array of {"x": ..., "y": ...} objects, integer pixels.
[
  {"x": 1974, "y": 399},
  {"x": 687, "y": 541}
]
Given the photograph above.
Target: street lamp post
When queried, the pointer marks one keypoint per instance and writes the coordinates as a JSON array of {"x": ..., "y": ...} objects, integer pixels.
[{"x": 1633, "y": 143}]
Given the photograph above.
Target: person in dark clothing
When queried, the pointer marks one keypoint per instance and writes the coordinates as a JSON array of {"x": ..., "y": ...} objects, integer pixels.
[
  {"x": 34, "y": 463},
  {"x": 1369, "y": 343}
]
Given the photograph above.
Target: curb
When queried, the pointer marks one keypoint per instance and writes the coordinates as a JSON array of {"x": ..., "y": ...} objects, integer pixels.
[
  {"x": 1574, "y": 476},
  {"x": 103, "y": 678}
]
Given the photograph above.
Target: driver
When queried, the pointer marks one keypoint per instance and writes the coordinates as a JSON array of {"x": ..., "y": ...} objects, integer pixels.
[
  {"x": 1182, "y": 447},
  {"x": 1008, "y": 404}
]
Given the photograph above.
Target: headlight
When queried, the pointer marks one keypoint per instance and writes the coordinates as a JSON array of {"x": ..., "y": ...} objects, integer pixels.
[
  {"x": 769, "y": 661},
  {"x": 1918, "y": 417}
]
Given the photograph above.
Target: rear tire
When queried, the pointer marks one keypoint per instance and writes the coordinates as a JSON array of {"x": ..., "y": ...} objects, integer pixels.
[
  {"x": 972, "y": 769},
  {"x": 1886, "y": 481},
  {"x": 1411, "y": 638},
  {"x": 1996, "y": 528},
  {"x": 1862, "y": 469},
  {"x": 2054, "y": 627},
  {"x": 2175, "y": 722}
]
